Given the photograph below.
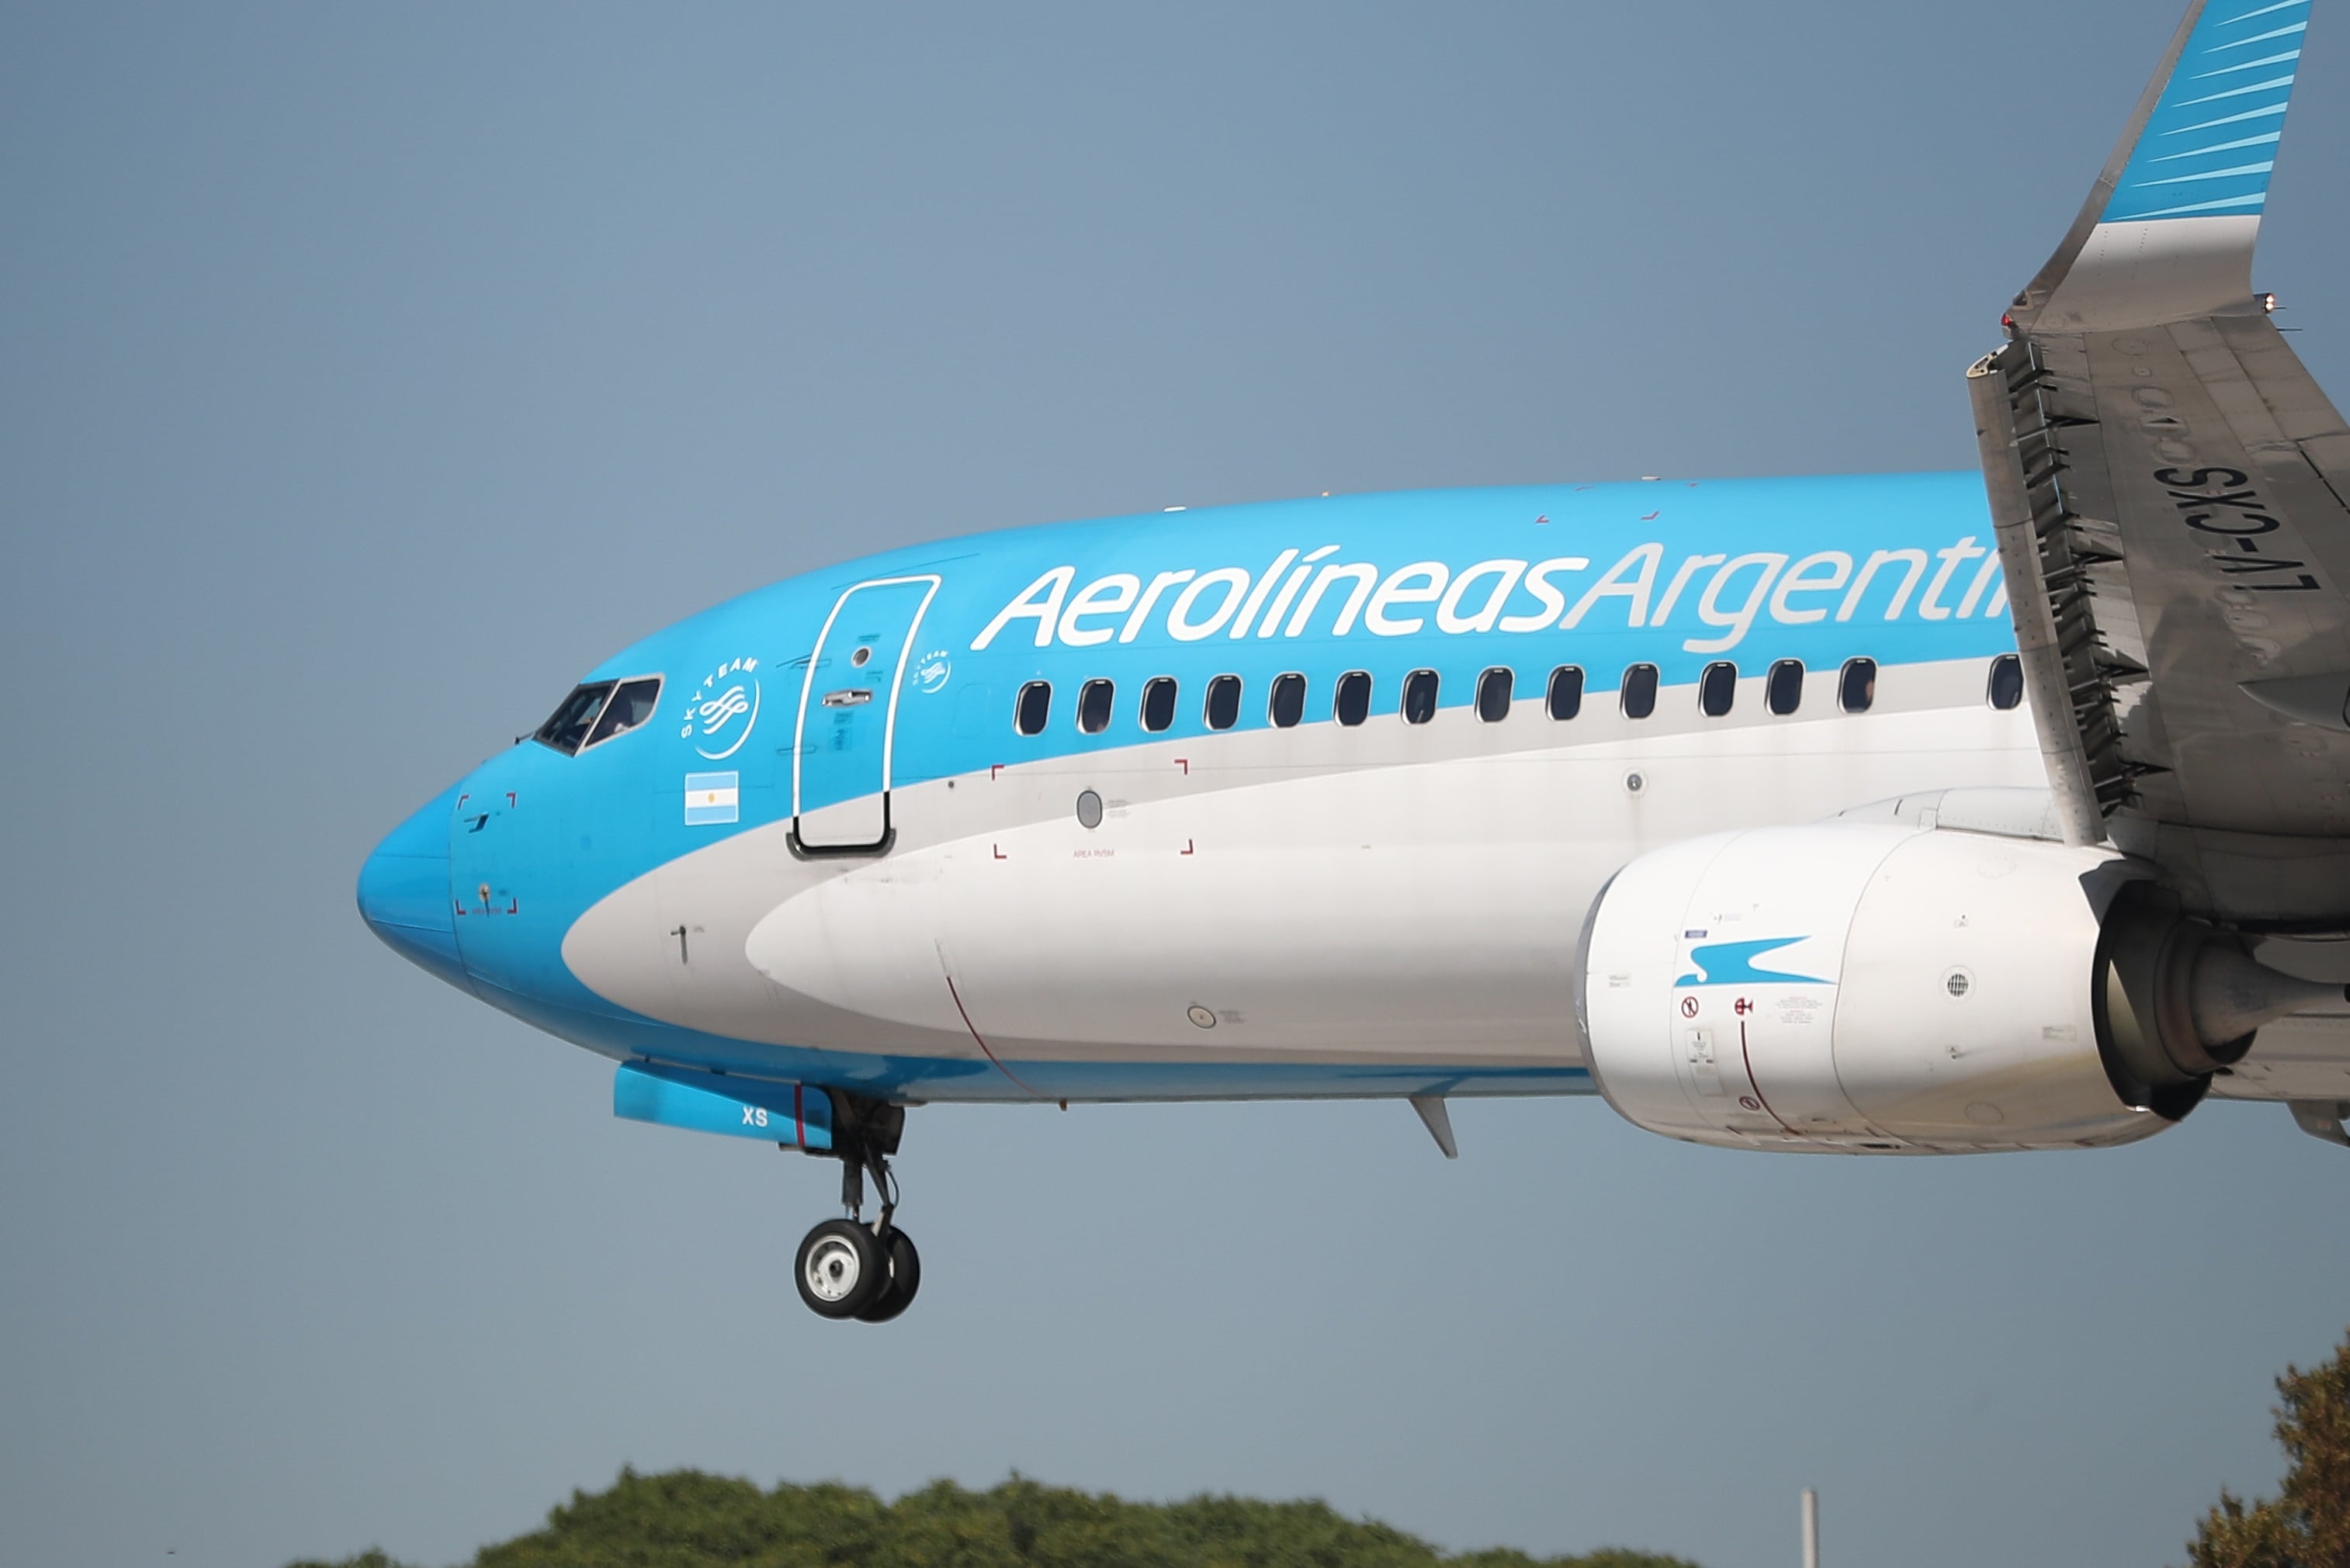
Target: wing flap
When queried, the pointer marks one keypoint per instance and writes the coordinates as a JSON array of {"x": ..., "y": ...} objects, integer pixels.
[{"x": 2168, "y": 483}]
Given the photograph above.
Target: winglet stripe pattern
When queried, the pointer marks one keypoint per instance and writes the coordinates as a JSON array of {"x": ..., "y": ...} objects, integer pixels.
[{"x": 2147, "y": 186}]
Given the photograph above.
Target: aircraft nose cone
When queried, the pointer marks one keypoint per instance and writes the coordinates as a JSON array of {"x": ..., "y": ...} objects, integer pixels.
[{"x": 404, "y": 892}]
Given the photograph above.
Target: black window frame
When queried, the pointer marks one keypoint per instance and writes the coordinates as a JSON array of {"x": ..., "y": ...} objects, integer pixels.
[
  {"x": 621, "y": 693},
  {"x": 1288, "y": 680},
  {"x": 1043, "y": 691},
  {"x": 580, "y": 725},
  {"x": 1645, "y": 679},
  {"x": 1777, "y": 681},
  {"x": 1866, "y": 669},
  {"x": 1565, "y": 682},
  {"x": 1103, "y": 708},
  {"x": 1435, "y": 692},
  {"x": 1506, "y": 678},
  {"x": 1718, "y": 679},
  {"x": 1207, "y": 703},
  {"x": 1352, "y": 680},
  {"x": 2012, "y": 665},
  {"x": 1174, "y": 691}
]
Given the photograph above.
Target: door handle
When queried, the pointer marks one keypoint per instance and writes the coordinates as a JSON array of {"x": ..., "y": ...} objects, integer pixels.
[{"x": 849, "y": 697}]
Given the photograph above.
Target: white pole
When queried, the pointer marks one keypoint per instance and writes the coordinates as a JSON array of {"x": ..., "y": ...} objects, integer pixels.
[{"x": 1810, "y": 1529}]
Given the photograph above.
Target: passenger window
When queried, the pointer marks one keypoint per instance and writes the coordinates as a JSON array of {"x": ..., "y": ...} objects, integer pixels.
[
  {"x": 1095, "y": 700},
  {"x": 1353, "y": 704},
  {"x": 2006, "y": 681},
  {"x": 1157, "y": 703},
  {"x": 1858, "y": 688},
  {"x": 630, "y": 706},
  {"x": 1639, "y": 691},
  {"x": 568, "y": 725},
  {"x": 1288, "y": 704},
  {"x": 1784, "y": 693},
  {"x": 1717, "y": 689},
  {"x": 1034, "y": 706},
  {"x": 1493, "y": 690},
  {"x": 1566, "y": 697},
  {"x": 1420, "y": 697},
  {"x": 1223, "y": 701}
]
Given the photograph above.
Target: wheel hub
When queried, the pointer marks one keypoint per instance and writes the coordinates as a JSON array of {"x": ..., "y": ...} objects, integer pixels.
[{"x": 833, "y": 1269}]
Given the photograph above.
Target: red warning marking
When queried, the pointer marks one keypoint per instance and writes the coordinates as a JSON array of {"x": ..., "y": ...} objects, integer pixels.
[
  {"x": 1187, "y": 846},
  {"x": 998, "y": 853},
  {"x": 981, "y": 1042},
  {"x": 510, "y": 798},
  {"x": 462, "y": 799},
  {"x": 1689, "y": 1007},
  {"x": 991, "y": 772},
  {"x": 1742, "y": 1007},
  {"x": 1185, "y": 764},
  {"x": 1650, "y": 516},
  {"x": 459, "y": 908},
  {"x": 513, "y": 906},
  {"x": 1761, "y": 1103}
]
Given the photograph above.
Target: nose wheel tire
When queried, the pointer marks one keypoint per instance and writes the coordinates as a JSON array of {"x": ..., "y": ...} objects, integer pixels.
[
  {"x": 841, "y": 1270},
  {"x": 905, "y": 1269}
]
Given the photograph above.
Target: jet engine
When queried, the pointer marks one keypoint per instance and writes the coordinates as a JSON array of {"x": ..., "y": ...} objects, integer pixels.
[{"x": 1867, "y": 987}]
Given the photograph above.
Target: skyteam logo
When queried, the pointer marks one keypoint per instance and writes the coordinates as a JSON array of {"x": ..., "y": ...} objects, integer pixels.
[
  {"x": 932, "y": 670},
  {"x": 720, "y": 714}
]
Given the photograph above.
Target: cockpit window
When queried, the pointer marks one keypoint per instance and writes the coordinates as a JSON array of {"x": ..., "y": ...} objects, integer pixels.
[
  {"x": 566, "y": 728},
  {"x": 630, "y": 706}
]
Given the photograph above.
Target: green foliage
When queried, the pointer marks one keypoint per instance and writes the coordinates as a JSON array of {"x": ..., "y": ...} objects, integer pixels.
[
  {"x": 2307, "y": 1525},
  {"x": 686, "y": 1519}
]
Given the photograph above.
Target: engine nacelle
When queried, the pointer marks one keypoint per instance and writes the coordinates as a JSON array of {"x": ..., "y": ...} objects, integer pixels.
[{"x": 1870, "y": 987}]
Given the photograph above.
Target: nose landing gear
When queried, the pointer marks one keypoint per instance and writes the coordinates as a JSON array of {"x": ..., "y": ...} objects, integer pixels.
[
  {"x": 845, "y": 1268},
  {"x": 840, "y": 1268}
]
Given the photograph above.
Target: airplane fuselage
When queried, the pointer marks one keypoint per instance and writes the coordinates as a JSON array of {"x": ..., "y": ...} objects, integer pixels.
[{"x": 1297, "y": 799}]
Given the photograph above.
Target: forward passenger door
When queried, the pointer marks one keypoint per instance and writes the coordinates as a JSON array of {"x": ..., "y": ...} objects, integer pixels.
[{"x": 842, "y": 745}]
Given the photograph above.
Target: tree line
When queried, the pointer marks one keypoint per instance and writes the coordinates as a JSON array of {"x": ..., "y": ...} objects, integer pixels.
[{"x": 687, "y": 1519}]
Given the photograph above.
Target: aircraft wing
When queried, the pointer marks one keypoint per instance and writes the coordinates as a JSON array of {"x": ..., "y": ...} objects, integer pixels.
[{"x": 2170, "y": 489}]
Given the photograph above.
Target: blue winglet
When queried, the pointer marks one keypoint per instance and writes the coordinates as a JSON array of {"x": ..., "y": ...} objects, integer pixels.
[
  {"x": 2209, "y": 144},
  {"x": 2167, "y": 232}
]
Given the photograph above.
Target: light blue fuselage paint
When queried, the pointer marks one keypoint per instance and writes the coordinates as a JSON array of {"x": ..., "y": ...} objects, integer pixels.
[{"x": 759, "y": 722}]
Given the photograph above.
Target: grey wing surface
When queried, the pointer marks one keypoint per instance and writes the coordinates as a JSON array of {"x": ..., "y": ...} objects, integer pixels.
[{"x": 2170, "y": 488}]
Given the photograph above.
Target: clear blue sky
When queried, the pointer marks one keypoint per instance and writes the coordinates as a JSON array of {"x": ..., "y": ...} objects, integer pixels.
[{"x": 368, "y": 372}]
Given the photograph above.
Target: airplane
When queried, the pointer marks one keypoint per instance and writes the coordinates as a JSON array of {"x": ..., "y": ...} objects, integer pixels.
[{"x": 1911, "y": 813}]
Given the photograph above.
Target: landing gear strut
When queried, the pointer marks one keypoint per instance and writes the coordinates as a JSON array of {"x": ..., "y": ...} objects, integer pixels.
[{"x": 845, "y": 1268}]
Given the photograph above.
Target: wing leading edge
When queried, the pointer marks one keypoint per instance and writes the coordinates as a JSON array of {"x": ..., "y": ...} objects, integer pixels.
[{"x": 2169, "y": 487}]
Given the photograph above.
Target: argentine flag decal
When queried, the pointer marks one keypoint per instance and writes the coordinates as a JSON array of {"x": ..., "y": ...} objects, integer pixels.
[{"x": 712, "y": 798}]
